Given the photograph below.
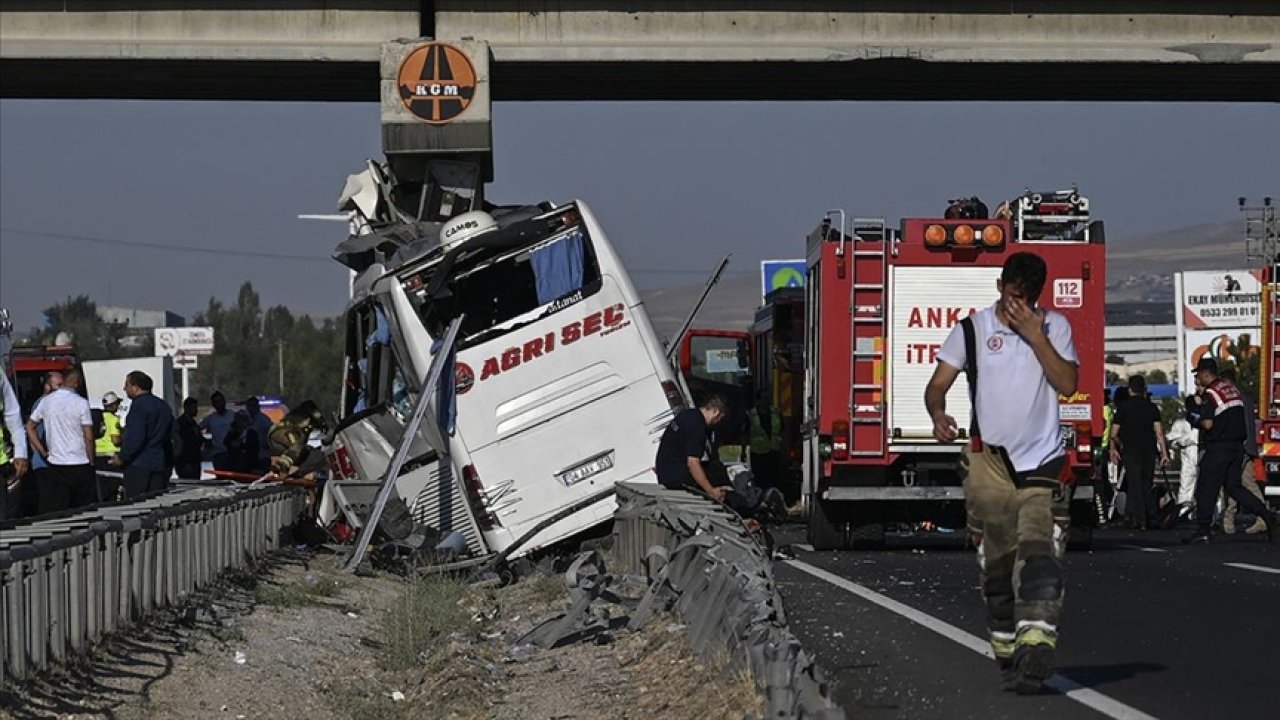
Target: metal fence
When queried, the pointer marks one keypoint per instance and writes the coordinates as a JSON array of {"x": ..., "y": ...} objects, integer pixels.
[
  {"x": 716, "y": 576},
  {"x": 65, "y": 583}
]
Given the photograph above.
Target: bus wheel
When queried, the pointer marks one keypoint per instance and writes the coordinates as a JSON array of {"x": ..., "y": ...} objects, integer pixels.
[
  {"x": 867, "y": 536},
  {"x": 823, "y": 532}
]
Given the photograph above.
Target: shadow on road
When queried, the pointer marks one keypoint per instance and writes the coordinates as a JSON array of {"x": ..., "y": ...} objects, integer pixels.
[{"x": 1094, "y": 676}]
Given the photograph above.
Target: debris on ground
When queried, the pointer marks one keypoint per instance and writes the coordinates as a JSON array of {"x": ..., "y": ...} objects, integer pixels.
[{"x": 306, "y": 640}]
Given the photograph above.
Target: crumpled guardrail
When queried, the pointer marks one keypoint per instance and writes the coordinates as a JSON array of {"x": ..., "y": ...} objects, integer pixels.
[
  {"x": 704, "y": 563},
  {"x": 67, "y": 582}
]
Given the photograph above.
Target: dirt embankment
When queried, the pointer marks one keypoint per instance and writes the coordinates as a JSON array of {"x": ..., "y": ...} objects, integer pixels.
[{"x": 300, "y": 639}]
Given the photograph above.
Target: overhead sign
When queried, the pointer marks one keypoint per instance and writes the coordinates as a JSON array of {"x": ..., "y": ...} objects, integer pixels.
[
  {"x": 777, "y": 274},
  {"x": 1219, "y": 299},
  {"x": 171, "y": 342},
  {"x": 436, "y": 82}
]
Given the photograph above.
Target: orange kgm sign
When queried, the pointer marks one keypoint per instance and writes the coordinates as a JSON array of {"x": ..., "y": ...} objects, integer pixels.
[{"x": 437, "y": 82}]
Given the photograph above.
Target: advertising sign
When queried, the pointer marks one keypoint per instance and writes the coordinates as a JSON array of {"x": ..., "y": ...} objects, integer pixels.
[
  {"x": 1214, "y": 308},
  {"x": 184, "y": 341},
  {"x": 1219, "y": 299}
]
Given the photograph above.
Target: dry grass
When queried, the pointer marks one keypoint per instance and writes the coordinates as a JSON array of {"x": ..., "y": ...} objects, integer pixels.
[{"x": 420, "y": 621}]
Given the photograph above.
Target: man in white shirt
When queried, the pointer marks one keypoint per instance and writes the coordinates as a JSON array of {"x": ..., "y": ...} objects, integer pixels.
[
  {"x": 1017, "y": 505},
  {"x": 68, "y": 482},
  {"x": 13, "y": 464}
]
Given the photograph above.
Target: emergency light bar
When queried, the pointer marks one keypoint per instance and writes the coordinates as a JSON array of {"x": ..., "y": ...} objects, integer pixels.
[{"x": 958, "y": 234}]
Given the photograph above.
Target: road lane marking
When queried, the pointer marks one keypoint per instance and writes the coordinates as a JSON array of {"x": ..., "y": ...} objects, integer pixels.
[
  {"x": 1257, "y": 568},
  {"x": 1093, "y": 699},
  {"x": 1144, "y": 548}
]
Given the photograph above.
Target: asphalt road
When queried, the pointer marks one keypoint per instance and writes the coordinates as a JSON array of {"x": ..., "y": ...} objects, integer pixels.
[{"x": 1151, "y": 628}]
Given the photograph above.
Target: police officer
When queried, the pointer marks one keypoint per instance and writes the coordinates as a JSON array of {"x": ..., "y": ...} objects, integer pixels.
[
  {"x": 1023, "y": 358},
  {"x": 1224, "y": 427}
]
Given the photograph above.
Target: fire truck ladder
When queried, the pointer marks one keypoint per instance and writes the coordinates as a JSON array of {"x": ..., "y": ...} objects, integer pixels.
[
  {"x": 1271, "y": 293},
  {"x": 869, "y": 328}
]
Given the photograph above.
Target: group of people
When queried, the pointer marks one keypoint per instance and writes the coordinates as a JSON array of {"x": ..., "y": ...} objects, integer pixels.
[
  {"x": 1216, "y": 442},
  {"x": 59, "y": 450},
  {"x": 66, "y": 455}
]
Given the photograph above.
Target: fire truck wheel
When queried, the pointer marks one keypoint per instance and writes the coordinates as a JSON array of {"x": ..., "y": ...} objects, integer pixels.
[
  {"x": 866, "y": 536},
  {"x": 1080, "y": 538},
  {"x": 824, "y": 533}
]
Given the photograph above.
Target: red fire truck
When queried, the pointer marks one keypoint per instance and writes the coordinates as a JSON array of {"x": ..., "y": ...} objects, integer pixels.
[
  {"x": 1269, "y": 385},
  {"x": 880, "y": 302},
  {"x": 719, "y": 362}
]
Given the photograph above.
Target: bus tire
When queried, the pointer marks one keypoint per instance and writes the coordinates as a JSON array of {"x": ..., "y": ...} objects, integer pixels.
[
  {"x": 1080, "y": 538},
  {"x": 823, "y": 532},
  {"x": 866, "y": 536}
]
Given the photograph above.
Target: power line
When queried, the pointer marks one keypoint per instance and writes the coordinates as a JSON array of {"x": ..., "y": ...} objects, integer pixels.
[{"x": 222, "y": 252}]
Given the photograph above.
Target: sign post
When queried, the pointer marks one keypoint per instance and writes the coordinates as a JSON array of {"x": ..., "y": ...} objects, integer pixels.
[{"x": 185, "y": 345}]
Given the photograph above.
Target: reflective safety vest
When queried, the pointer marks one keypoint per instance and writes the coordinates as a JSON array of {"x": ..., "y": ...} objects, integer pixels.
[
  {"x": 105, "y": 446},
  {"x": 4, "y": 444},
  {"x": 766, "y": 442},
  {"x": 1107, "y": 417}
]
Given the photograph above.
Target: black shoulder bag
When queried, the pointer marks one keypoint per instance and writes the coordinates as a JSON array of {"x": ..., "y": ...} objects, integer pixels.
[{"x": 971, "y": 373}]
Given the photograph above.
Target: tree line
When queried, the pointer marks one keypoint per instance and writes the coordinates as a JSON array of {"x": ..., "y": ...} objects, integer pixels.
[{"x": 249, "y": 345}]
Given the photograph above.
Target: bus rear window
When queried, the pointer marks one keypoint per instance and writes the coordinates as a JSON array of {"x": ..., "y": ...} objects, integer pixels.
[{"x": 497, "y": 292}]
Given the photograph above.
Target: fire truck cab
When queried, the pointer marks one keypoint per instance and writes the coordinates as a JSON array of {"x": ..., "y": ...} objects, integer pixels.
[{"x": 880, "y": 301}]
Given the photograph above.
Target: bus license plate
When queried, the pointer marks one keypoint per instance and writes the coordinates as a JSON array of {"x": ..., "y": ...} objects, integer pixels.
[{"x": 591, "y": 467}]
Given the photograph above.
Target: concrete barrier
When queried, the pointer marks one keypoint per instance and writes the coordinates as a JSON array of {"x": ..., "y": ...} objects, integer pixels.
[
  {"x": 705, "y": 565},
  {"x": 67, "y": 582}
]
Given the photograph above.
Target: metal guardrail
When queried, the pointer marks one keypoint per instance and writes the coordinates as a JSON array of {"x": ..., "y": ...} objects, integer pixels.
[
  {"x": 67, "y": 582},
  {"x": 701, "y": 559}
]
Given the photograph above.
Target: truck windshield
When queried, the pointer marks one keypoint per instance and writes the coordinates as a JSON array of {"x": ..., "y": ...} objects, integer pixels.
[{"x": 500, "y": 293}]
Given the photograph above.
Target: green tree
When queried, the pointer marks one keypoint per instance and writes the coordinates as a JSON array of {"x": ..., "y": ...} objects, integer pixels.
[{"x": 249, "y": 346}]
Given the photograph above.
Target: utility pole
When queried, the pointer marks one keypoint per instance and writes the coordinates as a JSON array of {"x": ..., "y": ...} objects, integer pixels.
[{"x": 280, "y": 364}]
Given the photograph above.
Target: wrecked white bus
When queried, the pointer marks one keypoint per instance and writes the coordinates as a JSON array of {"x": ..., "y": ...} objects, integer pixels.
[{"x": 562, "y": 386}]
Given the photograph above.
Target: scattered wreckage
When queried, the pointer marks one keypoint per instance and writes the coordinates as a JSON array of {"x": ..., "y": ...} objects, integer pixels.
[{"x": 500, "y": 369}]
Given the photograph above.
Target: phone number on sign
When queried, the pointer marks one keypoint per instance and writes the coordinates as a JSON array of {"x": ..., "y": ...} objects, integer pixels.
[{"x": 1228, "y": 312}]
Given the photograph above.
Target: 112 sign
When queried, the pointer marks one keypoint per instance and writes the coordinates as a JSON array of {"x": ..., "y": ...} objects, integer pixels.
[{"x": 1068, "y": 293}]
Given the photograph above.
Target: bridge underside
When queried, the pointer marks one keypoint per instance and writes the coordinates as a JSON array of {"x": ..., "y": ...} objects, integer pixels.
[
  {"x": 611, "y": 50},
  {"x": 889, "y": 79}
]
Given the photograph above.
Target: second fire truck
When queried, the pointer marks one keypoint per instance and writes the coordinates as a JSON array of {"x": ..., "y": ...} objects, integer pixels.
[{"x": 879, "y": 303}]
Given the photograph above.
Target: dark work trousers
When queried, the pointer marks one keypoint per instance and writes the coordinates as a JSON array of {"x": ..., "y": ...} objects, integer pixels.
[
  {"x": 139, "y": 481},
  {"x": 6, "y": 475},
  {"x": 188, "y": 470},
  {"x": 1139, "y": 470},
  {"x": 64, "y": 487},
  {"x": 1220, "y": 468}
]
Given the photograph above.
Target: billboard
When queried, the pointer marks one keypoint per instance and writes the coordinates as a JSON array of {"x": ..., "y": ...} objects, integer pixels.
[
  {"x": 1218, "y": 314},
  {"x": 1219, "y": 298}
]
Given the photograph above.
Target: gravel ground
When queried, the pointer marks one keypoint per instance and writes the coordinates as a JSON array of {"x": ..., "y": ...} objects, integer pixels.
[{"x": 300, "y": 639}]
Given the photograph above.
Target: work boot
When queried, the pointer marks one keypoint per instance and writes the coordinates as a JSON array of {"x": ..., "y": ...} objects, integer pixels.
[
  {"x": 1033, "y": 664},
  {"x": 1008, "y": 674},
  {"x": 1258, "y": 527}
]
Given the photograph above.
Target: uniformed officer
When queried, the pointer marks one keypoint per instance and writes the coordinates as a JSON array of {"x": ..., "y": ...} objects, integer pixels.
[
  {"x": 1023, "y": 359},
  {"x": 1223, "y": 428}
]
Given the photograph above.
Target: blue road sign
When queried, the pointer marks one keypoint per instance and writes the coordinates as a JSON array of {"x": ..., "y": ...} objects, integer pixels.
[{"x": 775, "y": 274}]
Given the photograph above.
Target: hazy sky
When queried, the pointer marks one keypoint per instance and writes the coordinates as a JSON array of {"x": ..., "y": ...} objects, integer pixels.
[{"x": 676, "y": 184}]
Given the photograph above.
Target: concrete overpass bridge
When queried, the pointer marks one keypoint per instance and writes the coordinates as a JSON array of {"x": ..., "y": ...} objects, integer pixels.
[{"x": 1223, "y": 50}]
